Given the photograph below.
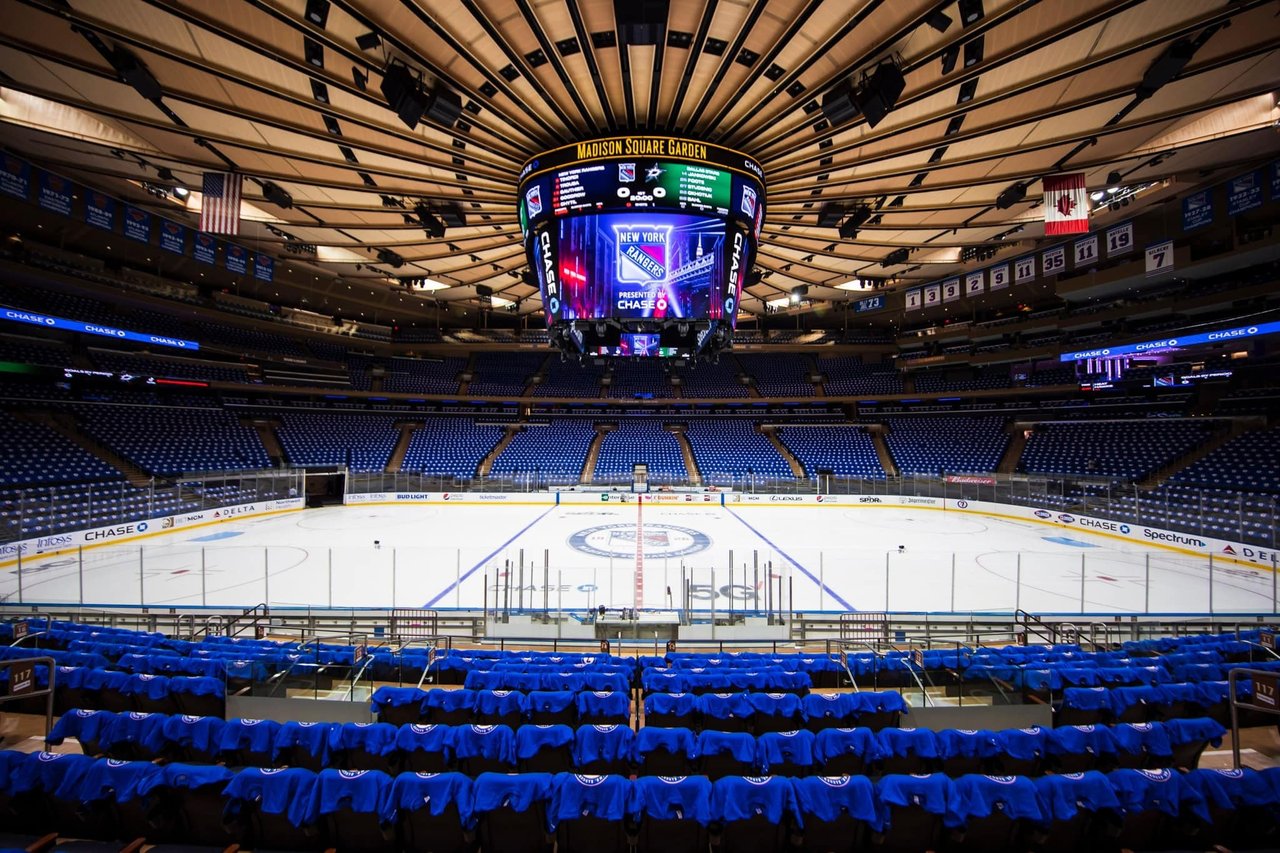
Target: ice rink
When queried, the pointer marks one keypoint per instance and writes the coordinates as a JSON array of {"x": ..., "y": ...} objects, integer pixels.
[{"x": 577, "y": 556}]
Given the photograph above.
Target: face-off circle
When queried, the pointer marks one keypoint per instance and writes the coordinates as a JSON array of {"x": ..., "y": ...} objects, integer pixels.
[{"x": 619, "y": 540}]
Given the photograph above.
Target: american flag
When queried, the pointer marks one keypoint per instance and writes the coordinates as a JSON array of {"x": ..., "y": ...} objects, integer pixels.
[{"x": 220, "y": 208}]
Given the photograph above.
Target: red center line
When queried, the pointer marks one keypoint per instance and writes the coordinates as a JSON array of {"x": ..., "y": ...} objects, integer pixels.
[{"x": 639, "y": 580}]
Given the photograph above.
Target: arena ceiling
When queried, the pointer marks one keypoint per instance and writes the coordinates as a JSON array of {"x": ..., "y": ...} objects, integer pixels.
[{"x": 288, "y": 92}]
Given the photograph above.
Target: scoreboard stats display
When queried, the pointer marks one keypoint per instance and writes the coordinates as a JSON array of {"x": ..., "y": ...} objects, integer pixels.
[{"x": 644, "y": 232}]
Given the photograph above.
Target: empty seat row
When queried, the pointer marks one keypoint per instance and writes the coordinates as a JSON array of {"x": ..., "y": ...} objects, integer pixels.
[
  {"x": 549, "y": 678},
  {"x": 1084, "y": 705},
  {"x": 766, "y": 712},
  {"x": 765, "y": 679},
  {"x": 296, "y": 809},
  {"x": 316, "y": 746},
  {"x": 400, "y": 705}
]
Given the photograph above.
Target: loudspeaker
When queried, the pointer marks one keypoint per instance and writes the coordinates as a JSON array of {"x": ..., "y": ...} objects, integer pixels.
[
  {"x": 453, "y": 215},
  {"x": 443, "y": 106},
  {"x": 137, "y": 75},
  {"x": 1167, "y": 66},
  {"x": 1011, "y": 195},
  {"x": 484, "y": 290},
  {"x": 880, "y": 94},
  {"x": 829, "y": 215},
  {"x": 318, "y": 12},
  {"x": 839, "y": 105},
  {"x": 404, "y": 94},
  {"x": 857, "y": 218},
  {"x": 641, "y": 21}
]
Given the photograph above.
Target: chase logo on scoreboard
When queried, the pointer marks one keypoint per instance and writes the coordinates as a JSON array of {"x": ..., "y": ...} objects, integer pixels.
[
  {"x": 642, "y": 253},
  {"x": 659, "y": 540}
]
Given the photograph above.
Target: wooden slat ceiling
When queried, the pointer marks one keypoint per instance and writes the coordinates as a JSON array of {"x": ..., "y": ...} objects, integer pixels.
[{"x": 532, "y": 74}]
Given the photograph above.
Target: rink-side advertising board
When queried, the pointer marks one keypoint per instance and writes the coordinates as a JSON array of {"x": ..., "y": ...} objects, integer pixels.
[{"x": 43, "y": 546}]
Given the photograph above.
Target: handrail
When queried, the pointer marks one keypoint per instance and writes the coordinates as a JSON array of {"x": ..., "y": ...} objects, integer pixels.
[
  {"x": 249, "y": 612},
  {"x": 1031, "y": 624},
  {"x": 351, "y": 691},
  {"x": 844, "y": 661},
  {"x": 1266, "y": 649},
  {"x": 1106, "y": 636},
  {"x": 18, "y": 641},
  {"x": 215, "y": 617},
  {"x": 1234, "y": 702},
  {"x": 51, "y": 667},
  {"x": 924, "y": 696}
]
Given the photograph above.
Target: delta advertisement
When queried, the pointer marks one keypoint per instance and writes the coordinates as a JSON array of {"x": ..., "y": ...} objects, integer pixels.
[{"x": 47, "y": 545}]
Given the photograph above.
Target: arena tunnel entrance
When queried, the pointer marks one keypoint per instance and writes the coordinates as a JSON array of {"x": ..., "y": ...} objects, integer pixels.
[{"x": 325, "y": 487}]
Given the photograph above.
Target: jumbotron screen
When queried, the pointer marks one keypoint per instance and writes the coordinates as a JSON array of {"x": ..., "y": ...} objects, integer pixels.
[{"x": 641, "y": 235}]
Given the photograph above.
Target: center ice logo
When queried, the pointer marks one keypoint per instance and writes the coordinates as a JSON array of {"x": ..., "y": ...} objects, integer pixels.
[{"x": 619, "y": 540}]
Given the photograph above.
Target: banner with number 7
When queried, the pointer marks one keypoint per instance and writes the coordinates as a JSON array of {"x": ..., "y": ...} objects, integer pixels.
[{"x": 1159, "y": 258}]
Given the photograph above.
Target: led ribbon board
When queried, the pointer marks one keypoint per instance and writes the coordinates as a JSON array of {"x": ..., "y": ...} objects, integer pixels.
[
  {"x": 48, "y": 322},
  {"x": 1179, "y": 342}
]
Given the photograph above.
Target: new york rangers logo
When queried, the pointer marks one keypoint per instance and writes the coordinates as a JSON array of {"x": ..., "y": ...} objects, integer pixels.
[
  {"x": 533, "y": 198},
  {"x": 749, "y": 202},
  {"x": 626, "y": 172},
  {"x": 642, "y": 253}
]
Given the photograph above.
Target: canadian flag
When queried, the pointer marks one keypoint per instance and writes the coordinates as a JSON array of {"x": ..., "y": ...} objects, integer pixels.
[{"x": 1066, "y": 205}]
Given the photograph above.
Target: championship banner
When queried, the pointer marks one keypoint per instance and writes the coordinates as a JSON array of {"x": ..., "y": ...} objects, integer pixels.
[
  {"x": 1159, "y": 258},
  {"x": 55, "y": 193},
  {"x": 1086, "y": 251},
  {"x": 1197, "y": 210},
  {"x": 1120, "y": 239},
  {"x": 1066, "y": 205},
  {"x": 15, "y": 177},
  {"x": 137, "y": 224},
  {"x": 263, "y": 267},
  {"x": 951, "y": 290},
  {"x": 236, "y": 258},
  {"x": 975, "y": 284},
  {"x": 913, "y": 299},
  {"x": 173, "y": 237},
  {"x": 205, "y": 249},
  {"x": 932, "y": 295},
  {"x": 1053, "y": 261},
  {"x": 999, "y": 276},
  {"x": 100, "y": 210},
  {"x": 1024, "y": 270},
  {"x": 1244, "y": 193}
]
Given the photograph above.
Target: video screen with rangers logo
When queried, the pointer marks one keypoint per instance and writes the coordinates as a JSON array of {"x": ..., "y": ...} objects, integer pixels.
[{"x": 634, "y": 239}]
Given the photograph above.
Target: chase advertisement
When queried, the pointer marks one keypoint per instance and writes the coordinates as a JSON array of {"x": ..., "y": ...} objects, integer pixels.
[{"x": 636, "y": 266}]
